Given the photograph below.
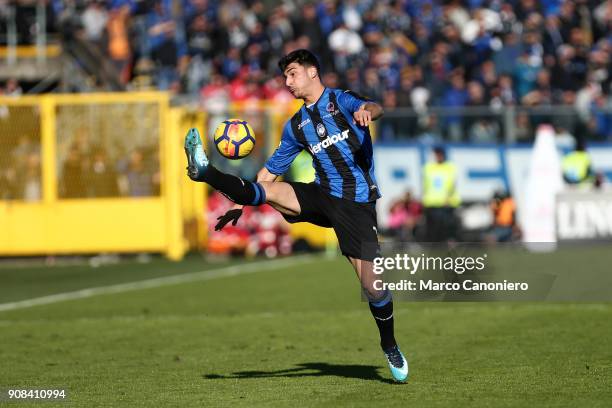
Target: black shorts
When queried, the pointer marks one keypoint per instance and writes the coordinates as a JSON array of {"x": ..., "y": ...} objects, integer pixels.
[{"x": 354, "y": 223}]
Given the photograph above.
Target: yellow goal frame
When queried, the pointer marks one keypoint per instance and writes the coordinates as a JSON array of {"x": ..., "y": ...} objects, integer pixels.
[{"x": 123, "y": 224}]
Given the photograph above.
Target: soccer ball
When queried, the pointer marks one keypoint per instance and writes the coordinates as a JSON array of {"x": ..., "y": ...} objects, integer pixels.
[{"x": 234, "y": 138}]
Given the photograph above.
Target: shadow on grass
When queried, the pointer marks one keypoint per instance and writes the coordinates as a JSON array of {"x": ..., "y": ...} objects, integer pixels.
[{"x": 360, "y": 372}]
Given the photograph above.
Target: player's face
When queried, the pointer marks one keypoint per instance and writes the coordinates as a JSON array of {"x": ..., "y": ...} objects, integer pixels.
[{"x": 299, "y": 79}]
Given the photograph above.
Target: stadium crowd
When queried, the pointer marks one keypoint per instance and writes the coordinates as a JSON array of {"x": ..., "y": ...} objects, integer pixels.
[
  {"x": 407, "y": 53},
  {"x": 419, "y": 54}
]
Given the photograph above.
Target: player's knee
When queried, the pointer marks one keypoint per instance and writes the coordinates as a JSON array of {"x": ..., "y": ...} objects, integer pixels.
[
  {"x": 378, "y": 298},
  {"x": 282, "y": 197}
]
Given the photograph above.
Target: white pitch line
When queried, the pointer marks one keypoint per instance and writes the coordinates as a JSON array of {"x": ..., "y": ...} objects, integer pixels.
[{"x": 210, "y": 274}]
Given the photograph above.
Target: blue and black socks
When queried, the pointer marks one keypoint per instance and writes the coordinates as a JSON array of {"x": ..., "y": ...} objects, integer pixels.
[
  {"x": 382, "y": 311},
  {"x": 236, "y": 189}
]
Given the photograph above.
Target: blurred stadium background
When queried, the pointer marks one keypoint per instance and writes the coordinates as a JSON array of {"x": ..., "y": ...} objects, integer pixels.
[
  {"x": 98, "y": 94},
  {"x": 95, "y": 99}
]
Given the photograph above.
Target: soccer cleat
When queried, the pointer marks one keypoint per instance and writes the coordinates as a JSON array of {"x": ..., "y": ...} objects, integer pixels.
[
  {"x": 197, "y": 162},
  {"x": 397, "y": 363}
]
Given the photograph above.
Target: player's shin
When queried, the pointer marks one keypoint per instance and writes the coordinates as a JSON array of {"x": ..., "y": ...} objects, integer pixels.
[
  {"x": 382, "y": 311},
  {"x": 236, "y": 189}
]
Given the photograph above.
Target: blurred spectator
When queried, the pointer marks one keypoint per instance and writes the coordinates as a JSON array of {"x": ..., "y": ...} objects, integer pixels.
[
  {"x": 567, "y": 122},
  {"x": 577, "y": 168},
  {"x": 9, "y": 189},
  {"x": 600, "y": 125},
  {"x": 506, "y": 57},
  {"x": 542, "y": 93},
  {"x": 455, "y": 97},
  {"x": 280, "y": 31},
  {"x": 429, "y": 129},
  {"x": 30, "y": 179},
  {"x": 166, "y": 46},
  {"x": 20, "y": 177},
  {"x": 504, "y": 226},
  {"x": 139, "y": 177},
  {"x": 102, "y": 179},
  {"x": 94, "y": 19},
  {"x": 274, "y": 90},
  {"x": 72, "y": 181},
  {"x": 506, "y": 90},
  {"x": 238, "y": 36},
  {"x": 525, "y": 73},
  {"x": 480, "y": 125},
  {"x": 231, "y": 64},
  {"x": 215, "y": 95},
  {"x": 310, "y": 27},
  {"x": 440, "y": 198},
  {"x": 331, "y": 80},
  {"x": 372, "y": 87},
  {"x": 487, "y": 76},
  {"x": 12, "y": 88},
  {"x": 584, "y": 100},
  {"x": 346, "y": 45},
  {"x": 24, "y": 148},
  {"x": 389, "y": 127},
  {"x": 553, "y": 38},
  {"x": 404, "y": 215},
  {"x": 523, "y": 131},
  {"x": 118, "y": 42},
  {"x": 562, "y": 71}
]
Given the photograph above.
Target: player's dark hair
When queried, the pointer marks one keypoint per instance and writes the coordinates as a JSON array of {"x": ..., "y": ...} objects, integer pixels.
[{"x": 302, "y": 57}]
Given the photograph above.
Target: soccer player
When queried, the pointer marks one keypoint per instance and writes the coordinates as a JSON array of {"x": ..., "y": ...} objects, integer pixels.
[{"x": 333, "y": 126}]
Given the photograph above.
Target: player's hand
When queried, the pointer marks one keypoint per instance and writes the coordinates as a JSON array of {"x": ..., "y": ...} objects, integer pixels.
[
  {"x": 363, "y": 117},
  {"x": 231, "y": 215}
]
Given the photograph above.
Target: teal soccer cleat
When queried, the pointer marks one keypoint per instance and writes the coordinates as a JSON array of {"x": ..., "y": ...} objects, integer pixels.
[
  {"x": 397, "y": 364},
  {"x": 197, "y": 162}
]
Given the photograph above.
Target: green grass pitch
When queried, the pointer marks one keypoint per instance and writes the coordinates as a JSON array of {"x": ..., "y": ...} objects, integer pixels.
[{"x": 289, "y": 336}]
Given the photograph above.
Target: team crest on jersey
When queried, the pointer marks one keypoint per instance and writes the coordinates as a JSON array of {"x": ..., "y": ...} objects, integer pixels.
[
  {"x": 320, "y": 130},
  {"x": 331, "y": 110}
]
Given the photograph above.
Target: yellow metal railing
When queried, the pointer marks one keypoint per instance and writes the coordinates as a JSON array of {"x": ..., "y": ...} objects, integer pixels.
[{"x": 74, "y": 135}]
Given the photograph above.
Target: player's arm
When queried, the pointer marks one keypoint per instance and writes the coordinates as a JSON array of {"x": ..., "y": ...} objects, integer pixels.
[
  {"x": 364, "y": 110},
  {"x": 368, "y": 112},
  {"x": 265, "y": 175}
]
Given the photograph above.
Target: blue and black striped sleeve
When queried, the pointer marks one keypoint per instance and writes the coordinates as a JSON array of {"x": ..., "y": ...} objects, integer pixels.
[
  {"x": 284, "y": 154},
  {"x": 351, "y": 101}
]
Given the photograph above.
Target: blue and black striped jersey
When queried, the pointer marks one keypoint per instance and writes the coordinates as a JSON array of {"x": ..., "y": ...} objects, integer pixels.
[{"x": 341, "y": 150}]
